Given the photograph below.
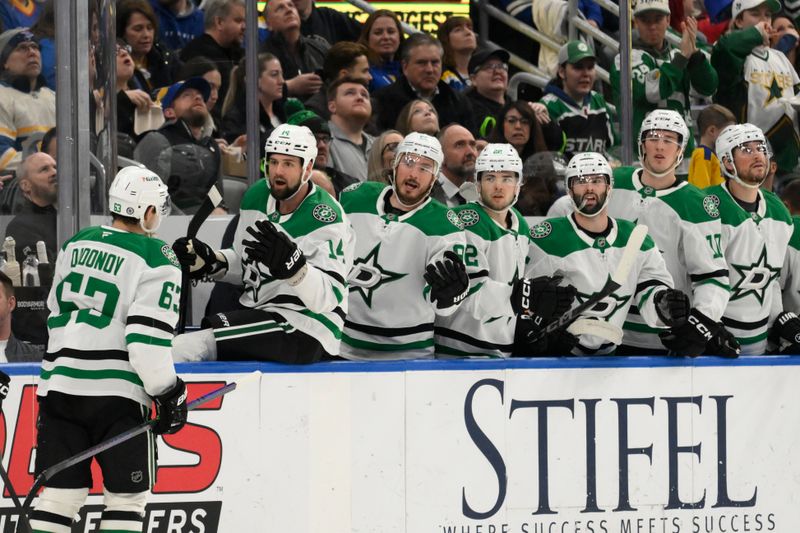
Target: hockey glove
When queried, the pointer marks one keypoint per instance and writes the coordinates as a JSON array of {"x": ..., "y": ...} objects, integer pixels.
[
  {"x": 786, "y": 333},
  {"x": 448, "y": 280},
  {"x": 529, "y": 342},
  {"x": 672, "y": 307},
  {"x": 171, "y": 409},
  {"x": 275, "y": 250},
  {"x": 542, "y": 297},
  {"x": 699, "y": 334},
  {"x": 4, "y": 381},
  {"x": 723, "y": 344},
  {"x": 198, "y": 257}
]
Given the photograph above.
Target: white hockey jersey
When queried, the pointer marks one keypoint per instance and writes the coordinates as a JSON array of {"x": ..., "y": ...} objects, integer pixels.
[
  {"x": 113, "y": 309},
  {"x": 559, "y": 247},
  {"x": 391, "y": 315},
  {"x": 684, "y": 223},
  {"x": 790, "y": 275},
  {"x": 755, "y": 248},
  {"x": 484, "y": 324},
  {"x": 317, "y": 305}
]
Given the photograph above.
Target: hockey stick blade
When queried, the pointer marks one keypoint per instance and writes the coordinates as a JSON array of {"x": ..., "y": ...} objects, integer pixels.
[
  {"x": 24, "y": 527},
  {"x": 616, "y": 281}
]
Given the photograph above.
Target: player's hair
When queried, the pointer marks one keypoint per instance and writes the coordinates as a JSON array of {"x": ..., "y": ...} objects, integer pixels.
[
  {"x": 791, "y": 196},
  {"x": 417, "y": 40},
  {"x": 7, "y": 284},
  {"x": 215, "y": 9},
  {"x": 342, "y": 55},
  {"x": 330, "y": 93},
  {"x": 714, "y": 115}
]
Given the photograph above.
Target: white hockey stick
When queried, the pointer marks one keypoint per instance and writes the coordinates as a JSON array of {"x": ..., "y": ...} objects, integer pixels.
[{"x": 617, "y": 279}]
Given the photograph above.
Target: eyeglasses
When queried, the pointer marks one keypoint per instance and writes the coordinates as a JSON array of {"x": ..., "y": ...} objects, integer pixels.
[
  {"x": 497, "y": 67},
  {"x": 518, "y": 120},
  {"x": 491, "y": 179},
  {"x": 324, "y": 139},
  {"x": 412, "y": 162},
  {"x": 27, "y": 47},
  {"x": 123, "y": 49},
  {"x": 390, "y": 147}
]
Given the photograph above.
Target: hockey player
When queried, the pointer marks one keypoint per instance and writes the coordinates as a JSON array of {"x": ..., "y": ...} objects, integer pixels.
[
  {"x": 756, "y": 228},
  {"x": 113, "y": 307},
  {"x": 292, "y": 250},
  {"x": 684, "y": 223},
  {"x": 406, "y": 269},
  {"x": 497, "y": 247},
  {"x": 586, "y": 247},
  {"x": 790, "y": 275}
]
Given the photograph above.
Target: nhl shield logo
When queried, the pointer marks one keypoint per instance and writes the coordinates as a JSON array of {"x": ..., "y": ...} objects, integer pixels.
[
  {"x": 469, "y": 217},
  {"x": 541, "y": 230},
  {"x": 711, "y": 205},
  {"x": 137, "y": 476},
  {"x": 324, "y": 213}
]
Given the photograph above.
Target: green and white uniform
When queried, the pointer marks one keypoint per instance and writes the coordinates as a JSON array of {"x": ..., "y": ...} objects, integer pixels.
[
  {"x": 560, "y": 247},
  {"x": 684, "y": 223},
  {"x": 754, "y": 83},
  {"x": 391, "y": 315},
  {"x": 113, "y": 308},
  {"x": 755, "y": 248},
  {"x": 484, "y": 324},
  {"x": 790, "y": 275},
  {"x": 587, "y": 126},
  {"x": 318, "y": 304}
]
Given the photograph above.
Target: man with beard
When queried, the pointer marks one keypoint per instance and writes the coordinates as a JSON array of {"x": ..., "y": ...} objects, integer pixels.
[
  {"x": 186, "y": 161},
  {"x": 585, "y": 248},
  {"x": 350, "y": 107},
  {"x": 456, "y": 182},
  {"x": 497, "y": 248},
  {"x": 292, "y": 251},
  {"x": 36, "y": 215},
  {"x": 407, "y": 268},
  {"x": 756, "y": 229},
  {"x": 684, "y": 223}
]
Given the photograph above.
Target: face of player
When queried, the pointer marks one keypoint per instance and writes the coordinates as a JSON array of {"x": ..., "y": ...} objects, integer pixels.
[
  {"x": 384, "y": 39},
  {"x": 750, "y": 17},
  {"x": 424, "y": 67},
  {"x": 423, "y": 118},
  {"x": 578, "y": 78},
  {"x": 413, "y": 176},
  {"x": 661, "y": 150},
  {"x": 589, "y": 192},
  {"x": 652, "y": 27},
  {"x": 285, "y": 175},
  {"x": 752, "y": 163},
  {"x": 499, "y": 189}
]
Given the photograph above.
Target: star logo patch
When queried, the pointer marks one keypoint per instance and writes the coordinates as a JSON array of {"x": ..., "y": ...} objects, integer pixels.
[
  {"x": 368, "y": 275},
  {"x": 754, "y": 278}
]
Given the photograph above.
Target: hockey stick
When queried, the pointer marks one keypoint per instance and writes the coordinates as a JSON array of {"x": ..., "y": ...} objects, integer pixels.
[
  {"x": 23, "y": 525},
  {"x": 617, "y": 279},
  {"x": 212, "y": 200}
]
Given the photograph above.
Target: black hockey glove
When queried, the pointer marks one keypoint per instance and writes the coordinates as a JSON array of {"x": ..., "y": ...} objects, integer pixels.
[
  {"x": 448, "y": 280},
  {"x": 529, "y": 343},
  {"x": 723, "y": 344},
  {"x": 699, "y": 334},
  {"x": 672, "y": 307},
  {"x": 785, "y": 333},
  {"x": 171, "y": 410},
  {"x": 275, "y": 250},
  {"x": 4, "y": 381},
  {"x": 542, "y": 297},
  {"x": 197, "y": 256}
]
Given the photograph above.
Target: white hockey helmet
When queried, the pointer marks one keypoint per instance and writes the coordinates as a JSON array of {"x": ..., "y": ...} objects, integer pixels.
[
  {"x": 588, "y": 164},
  {"x": 498, "y": 157},
  {"x": 733, "y": 137},
  {"x": 667, "y": 120},
  {"x": 136, "y": 188},
  {"x": 422, "y": 145},
  {"x": 288, "y": 139}
]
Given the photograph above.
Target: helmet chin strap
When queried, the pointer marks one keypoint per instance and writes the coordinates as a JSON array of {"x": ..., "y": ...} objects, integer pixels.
[
  {"x": 306, "y": 178},
  {"x": 150, "y": 231},
  {"x": 397, "y": 194},
  {"x": 579, "y": 208},
  {"x": 498, "y": 211},
  {"x": 643, "y": 159}
]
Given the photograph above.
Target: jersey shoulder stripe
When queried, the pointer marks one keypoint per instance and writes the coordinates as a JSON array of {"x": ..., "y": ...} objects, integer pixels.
[
  {"x": 154, "y": 252},
  {"x": 362, "y": 197},
  {"x": 477, "y": 221},
  {"x": 436, "y": 220},
  {"x": 555, "y": 236},
  {"x": 693, "y": 205},
  {"x": 624, "y": 230}
]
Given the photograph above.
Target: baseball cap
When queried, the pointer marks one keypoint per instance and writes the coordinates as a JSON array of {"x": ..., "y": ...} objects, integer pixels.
[
  {"x": 743, "y": 5},
  {"x": 574, "y": 51},
  {"x": 298, "y": 115},
  {"x": 482, "y": 56},
  {"x": 10, "y": 39},
  {"x": 167, "y": 95},
  {"x": 642, "y": 6}
]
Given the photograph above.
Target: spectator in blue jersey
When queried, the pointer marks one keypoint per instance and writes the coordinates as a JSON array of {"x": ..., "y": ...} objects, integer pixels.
[
  {"x": 179, "y": 21},
  {"x": 20, "y": 13},
  {"x": 459, "y": 42},
  {"x": 383, "y": 36}
]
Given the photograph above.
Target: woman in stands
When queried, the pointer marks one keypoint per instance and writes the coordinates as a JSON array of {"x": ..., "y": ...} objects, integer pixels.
[
  {"x": 458, "y": 41},
  {"x": 383, "y": 36},
  {"x": 270, "y": 99},
  {"x": 517, "y": 125},
  {"x": 137, "y": 26},
  {"x": 420, "y": 116},
  {"x": 381, "y": 155},
  {"x": 128, "y": 100}
]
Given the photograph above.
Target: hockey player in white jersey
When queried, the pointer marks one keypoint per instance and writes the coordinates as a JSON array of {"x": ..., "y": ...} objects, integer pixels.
[
  {"x": 406, "y": 269},
  {"x": 790, "y": 275},
  {"x": 292, "y": 251},
  {"x": 586, "y": 247},
  {"x": 496, "y": 251},
  {"x": 756, "y": 229},
  {"x": 113, "y": 308},
  {"x": 684, "y": 223}
]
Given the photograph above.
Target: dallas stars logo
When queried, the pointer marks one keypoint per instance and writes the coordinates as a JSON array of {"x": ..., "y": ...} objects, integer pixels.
[
  {"x": 368, "y": 275},
  {"x": 775, "y": 91},
  {"x": 754, "y": 278},
  {"x": 605, "y": 308}
]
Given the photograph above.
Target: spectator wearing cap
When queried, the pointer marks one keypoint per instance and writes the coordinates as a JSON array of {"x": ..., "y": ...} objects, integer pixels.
[
  {"x": 421, "y": 62},
  {"x": 298, "y": 115},
  {"x": 459, "y": 42},
  {"x": 663, "y": 74},
  {"x": 488, "y": 73},
  {"x": 582, "y": 113},
  {"x": 221, "y": 43},
  {"x": 756, "y": 80},
  {"x": 351, "y": 109},
  {"x": 27, "y": 106},
  {"x": 187, "y": 161},
  {"x": 345, "y": 59},
  {"x": 179, "y": 22}
]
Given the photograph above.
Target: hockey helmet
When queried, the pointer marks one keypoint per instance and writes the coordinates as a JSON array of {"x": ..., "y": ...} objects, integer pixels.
[
  {"x": 667, "y": 120},
  {"x": 498, "y": 157},
  {"x": 588, "y": 164},
  {"x": 288, "y": 139},
  {"x": 734, "y": 136},
  {"x": 136, "y": 188},
  {"x": 422, "y": 145}
]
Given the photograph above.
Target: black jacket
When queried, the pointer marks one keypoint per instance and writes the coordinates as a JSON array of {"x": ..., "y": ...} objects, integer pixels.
[
  {"x": 162, "y": 68},
  {"x": 451, "y": 105},
  {"x": 485, "y": 111},
  {"x": 234, "y": 123},
  {"x": 312, "y": 52},
  {"x": 224, "y": 58},
  {"x": 18, "y": 351},
  {"x": 331, "y": 25},
  {"x": 32, "y": 224}
]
